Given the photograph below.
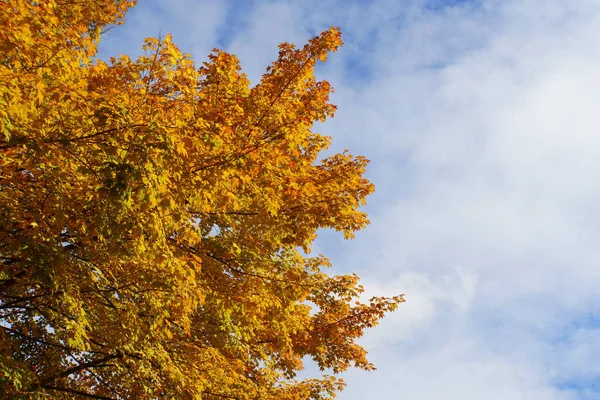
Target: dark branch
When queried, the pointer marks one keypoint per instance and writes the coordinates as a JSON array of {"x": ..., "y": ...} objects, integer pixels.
[
  {"x": 76, "y": 392},
  {"x": 92, "y": 364}
]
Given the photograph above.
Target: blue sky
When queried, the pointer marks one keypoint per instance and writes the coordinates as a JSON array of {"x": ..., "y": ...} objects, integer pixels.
[{"x": 481, "y": 121}]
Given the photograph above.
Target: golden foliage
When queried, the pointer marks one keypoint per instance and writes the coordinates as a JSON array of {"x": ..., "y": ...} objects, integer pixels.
[{"x": 155, "y": 218}]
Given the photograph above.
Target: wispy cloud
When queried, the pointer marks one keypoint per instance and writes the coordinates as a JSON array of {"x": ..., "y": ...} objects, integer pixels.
[{"x": 481, "y": 120}]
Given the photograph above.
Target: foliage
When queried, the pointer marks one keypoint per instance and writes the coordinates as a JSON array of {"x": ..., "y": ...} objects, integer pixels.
[{"x": 155, "y": 218}]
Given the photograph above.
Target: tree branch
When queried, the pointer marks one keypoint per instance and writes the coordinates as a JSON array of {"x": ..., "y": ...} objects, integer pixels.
[
  {"x": 80, "y": 367},
  {"x": 76, "y": 392}
]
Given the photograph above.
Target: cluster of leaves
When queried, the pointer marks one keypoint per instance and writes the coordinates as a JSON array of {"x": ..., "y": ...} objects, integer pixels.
[{"x": 155, "y": 218}]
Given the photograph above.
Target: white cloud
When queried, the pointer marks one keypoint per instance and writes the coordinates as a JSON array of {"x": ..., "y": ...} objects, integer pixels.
[{"x": 458, "y": 369}]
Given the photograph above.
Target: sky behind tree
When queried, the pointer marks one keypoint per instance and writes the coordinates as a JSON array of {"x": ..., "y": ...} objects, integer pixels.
[{"x": 481, "y": 121}]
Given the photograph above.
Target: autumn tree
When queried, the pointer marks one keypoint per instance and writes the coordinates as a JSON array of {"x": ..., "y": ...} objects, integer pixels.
[{"x": 156, "y": 218}]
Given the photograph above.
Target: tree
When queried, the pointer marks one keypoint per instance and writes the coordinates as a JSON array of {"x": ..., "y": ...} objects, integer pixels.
[{"x": 156, "y": 218}]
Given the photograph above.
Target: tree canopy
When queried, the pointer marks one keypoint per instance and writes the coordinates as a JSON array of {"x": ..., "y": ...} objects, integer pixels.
[{"x": 156, "y": 218}]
